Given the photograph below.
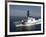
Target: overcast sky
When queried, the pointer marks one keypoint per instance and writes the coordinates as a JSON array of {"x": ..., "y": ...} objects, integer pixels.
[{"x": 19, "y": 10}]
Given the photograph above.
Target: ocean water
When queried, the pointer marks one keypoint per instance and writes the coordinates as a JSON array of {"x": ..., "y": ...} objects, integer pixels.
[{"x": 13, "y": 27}]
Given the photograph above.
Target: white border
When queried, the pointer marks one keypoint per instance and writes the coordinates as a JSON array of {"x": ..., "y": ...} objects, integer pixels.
[{"x": 27, "y": 32}]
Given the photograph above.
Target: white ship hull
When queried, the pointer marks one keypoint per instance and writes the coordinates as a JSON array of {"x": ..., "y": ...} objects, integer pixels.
[{"x": 36, "y": 22}]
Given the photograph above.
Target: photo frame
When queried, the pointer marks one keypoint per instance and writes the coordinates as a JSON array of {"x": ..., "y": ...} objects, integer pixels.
[{"x": 17, "y": 17}]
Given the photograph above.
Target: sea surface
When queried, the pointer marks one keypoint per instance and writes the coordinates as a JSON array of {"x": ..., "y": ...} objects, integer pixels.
[{"x": 13, "y": 27}]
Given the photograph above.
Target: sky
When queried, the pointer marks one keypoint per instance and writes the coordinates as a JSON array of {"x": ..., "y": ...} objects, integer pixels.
[{"x": 21, "y": 10}]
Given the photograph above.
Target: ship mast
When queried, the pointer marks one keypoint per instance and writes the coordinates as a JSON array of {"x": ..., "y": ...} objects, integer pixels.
[{"x": 27, "y": 13}]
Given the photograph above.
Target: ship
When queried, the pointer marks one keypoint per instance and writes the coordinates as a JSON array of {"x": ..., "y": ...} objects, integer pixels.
[{"x": 29, "y": 22}]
